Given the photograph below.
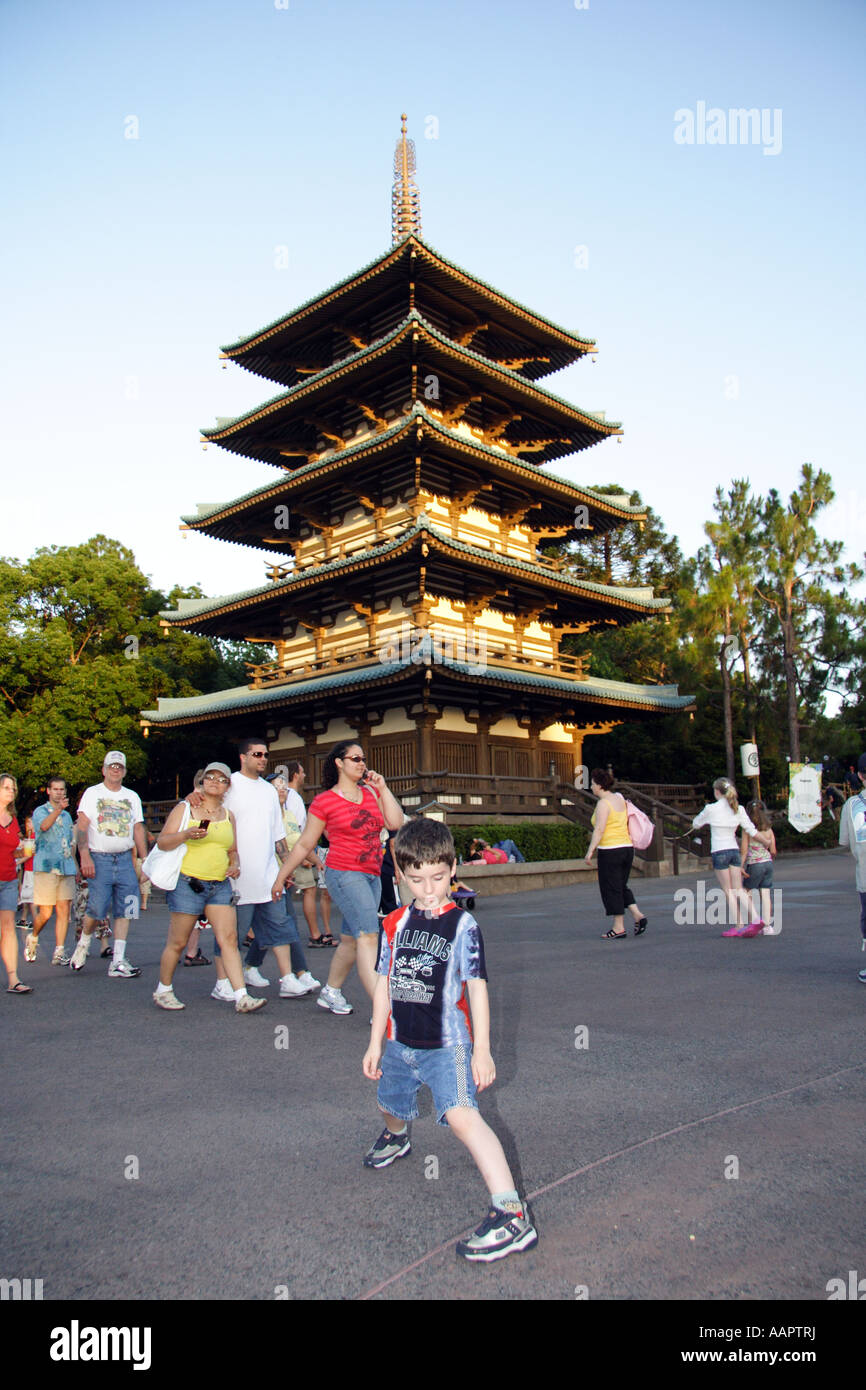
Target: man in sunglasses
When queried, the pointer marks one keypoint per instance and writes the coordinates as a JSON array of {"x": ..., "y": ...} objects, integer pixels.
[{"x": 260, "y": 841}]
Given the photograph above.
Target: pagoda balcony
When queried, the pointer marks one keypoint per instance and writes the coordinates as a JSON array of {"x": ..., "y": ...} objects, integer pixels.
[{"x": 264, "y": 675}]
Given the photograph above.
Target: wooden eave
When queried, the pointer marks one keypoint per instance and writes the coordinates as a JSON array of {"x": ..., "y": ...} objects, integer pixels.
[
  {"x": 385, "y": 279},
  {"x": 284, "y": 422},
  {"x": 449, "y": 569},
  {"x": 450, "y": 465}
]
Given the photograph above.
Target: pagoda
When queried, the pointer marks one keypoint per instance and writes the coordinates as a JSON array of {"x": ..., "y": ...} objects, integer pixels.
[{"x": 409, "y": 600}]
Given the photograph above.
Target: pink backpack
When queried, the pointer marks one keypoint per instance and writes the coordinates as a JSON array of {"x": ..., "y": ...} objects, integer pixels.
[{"x": 640, "y": 827}]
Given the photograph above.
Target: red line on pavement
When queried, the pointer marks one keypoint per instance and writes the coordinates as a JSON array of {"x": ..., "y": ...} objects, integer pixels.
[{"x": 608, "y": 1158}]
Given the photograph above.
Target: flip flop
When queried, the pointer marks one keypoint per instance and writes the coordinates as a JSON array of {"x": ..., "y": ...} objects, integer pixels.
[{"x": 20, "y": 988}]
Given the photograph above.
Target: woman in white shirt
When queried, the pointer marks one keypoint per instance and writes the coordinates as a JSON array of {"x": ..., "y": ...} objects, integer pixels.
[{"x": 725, "y": 816}]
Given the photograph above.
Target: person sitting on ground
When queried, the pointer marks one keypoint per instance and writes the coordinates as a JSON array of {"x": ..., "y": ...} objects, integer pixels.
[{"x": 480, "y": 852}]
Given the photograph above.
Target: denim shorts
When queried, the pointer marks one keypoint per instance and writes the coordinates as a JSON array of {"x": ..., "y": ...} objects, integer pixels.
[
  {"x": 446, "y": 1070},
  {"x": 9, "y": 895},
  {"x": 357, "y": 896},
  {"x": 113, "y": 891},
  {"x": 760, "y": 874},
  {"x": 184, "y": 898},
  {"x": 726, "y": 858}
]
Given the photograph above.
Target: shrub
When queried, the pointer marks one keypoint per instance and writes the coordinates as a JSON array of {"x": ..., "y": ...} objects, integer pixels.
[
  {"x": 535, "y": 842},
  {"x": 824, "y": 836}
]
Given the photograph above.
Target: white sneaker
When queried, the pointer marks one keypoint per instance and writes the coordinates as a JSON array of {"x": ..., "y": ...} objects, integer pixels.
[
  {"x": 309, "y": 980},
  {"x": 333, "y": 1000},
  {"x": 292, "y": 988},
  {"x": 253, "y": 976},
  {"x": 30, "y": 946},
  {"x": 223, "y": 991},
  {"x": 247, "y": 1004},
  {"x": 122, "y": 970},
  {"x": 167, "y": 999},
  {"x": 60, "y": 957},
  {"x": 80, "y": 954}
]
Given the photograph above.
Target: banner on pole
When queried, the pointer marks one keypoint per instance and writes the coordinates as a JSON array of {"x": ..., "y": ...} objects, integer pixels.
[{"x": 804, "y": 796}]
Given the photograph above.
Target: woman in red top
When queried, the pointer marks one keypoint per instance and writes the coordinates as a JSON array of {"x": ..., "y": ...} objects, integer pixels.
[
  {"x": 11, "y": 855},
  {"x": 352, "y": 809}
]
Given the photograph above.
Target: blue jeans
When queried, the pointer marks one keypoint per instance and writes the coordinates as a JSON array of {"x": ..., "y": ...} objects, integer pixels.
[
  {"x": 357, "y": 896},
  {"x": 446, "y": 1070},
  {"x": 273, "y": 924},
  {"x": 113, "y": 891}
]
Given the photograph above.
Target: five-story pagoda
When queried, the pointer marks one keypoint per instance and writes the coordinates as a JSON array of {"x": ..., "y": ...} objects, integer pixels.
[{"x": 409, "y": 602}]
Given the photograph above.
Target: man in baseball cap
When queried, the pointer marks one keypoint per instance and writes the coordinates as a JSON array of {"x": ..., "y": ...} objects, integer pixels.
[
  {"x": 852, "y": 835},
  {"x": 110, "y": 822}
]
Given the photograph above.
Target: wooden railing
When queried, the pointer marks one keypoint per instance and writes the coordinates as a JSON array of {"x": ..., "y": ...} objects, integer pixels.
[{"x": 266, "y": 674}]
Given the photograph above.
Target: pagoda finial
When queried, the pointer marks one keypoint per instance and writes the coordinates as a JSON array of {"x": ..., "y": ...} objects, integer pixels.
[{"x": 405, "y": 197}]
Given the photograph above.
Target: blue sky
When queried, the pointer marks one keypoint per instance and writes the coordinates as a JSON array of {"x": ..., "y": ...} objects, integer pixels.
[{"x": 724, "y": 284}]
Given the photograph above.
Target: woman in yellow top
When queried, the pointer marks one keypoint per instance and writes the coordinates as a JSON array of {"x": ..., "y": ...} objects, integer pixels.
[
  {"x": 203, "y": 887},
  {"x": 611, "y": 839}
]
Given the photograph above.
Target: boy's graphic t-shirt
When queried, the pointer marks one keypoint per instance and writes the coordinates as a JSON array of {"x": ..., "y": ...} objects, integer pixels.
[
  {"x": 112, "y": 816},
  {"x": 353, "y": 830},
  {"x": 428, "y": 961}
]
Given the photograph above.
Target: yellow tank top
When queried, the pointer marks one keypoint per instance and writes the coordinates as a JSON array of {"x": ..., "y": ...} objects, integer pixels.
[
  {"x": 208, "y": 859},
  {"x": 615, "y": 834}
]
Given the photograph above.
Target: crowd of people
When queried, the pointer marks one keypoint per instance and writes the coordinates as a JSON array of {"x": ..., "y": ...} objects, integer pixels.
[{"x": 234, "y": 847}]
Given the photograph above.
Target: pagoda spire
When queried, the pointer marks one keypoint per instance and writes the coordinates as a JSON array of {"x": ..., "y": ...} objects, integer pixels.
[{"x": 405, "y": 197}]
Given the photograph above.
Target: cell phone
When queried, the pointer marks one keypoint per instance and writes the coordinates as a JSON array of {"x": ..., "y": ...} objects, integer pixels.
[{"x": 203, "y": 824}]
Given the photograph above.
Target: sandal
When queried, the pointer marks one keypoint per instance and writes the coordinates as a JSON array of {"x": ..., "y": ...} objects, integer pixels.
[
  {"x": 614, "y": 935},
  {"x": 316, "y": 941},
  {"x": 19, "y": 988},
  {"x": 641, "y": 926},
  {"x": 327, "y": 940},
  {"x": 197, "y": 959}
]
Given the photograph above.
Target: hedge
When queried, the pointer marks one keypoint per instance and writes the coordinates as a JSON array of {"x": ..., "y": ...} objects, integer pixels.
[{"x": 535, "y": 842}]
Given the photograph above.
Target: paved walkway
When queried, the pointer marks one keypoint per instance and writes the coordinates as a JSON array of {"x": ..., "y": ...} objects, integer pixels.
[{"x": 704, "y": 1058}]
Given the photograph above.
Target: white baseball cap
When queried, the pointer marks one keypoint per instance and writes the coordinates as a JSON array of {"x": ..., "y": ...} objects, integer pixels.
[{"x": 114, "y": 757}]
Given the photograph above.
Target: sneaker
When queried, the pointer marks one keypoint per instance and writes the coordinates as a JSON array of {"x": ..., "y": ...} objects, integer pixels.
[
  {"x": 861, "y": 976},
  {"x": 309, "y": 980},
  {"x": 223, "y": 991},
  {"x": 386, "y": 1148},
  {"x": 80, "y": 954},
  {"x": 501, "y": 1233},
  {"x": 333, "y": 1000},
  {"x": 291, "y": 988},
  {"x": 753, "y": 929},
  {"x": 31, "y": 943},
  {"x": 167, "y": 999},
  {"x": 253, "y": 976},
  {"x": 122, "y": 970},
  {"x": 248, "y": 1005},
  {"x": 735, "y": 931},
  {"x": 60, "y": 957}
]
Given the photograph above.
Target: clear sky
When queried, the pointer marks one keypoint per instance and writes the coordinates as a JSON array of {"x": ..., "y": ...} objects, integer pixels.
[{"x": 723, "y": 281}]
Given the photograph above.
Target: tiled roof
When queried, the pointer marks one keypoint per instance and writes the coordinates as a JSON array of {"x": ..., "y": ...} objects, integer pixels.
[
  {"x": 379, "y": 260},
  {"x": 661, "y": 697},
  {"x": 189, "y": 608},
  {"x": 412, "y": 318},
  {"x": 418, "y": 411}
]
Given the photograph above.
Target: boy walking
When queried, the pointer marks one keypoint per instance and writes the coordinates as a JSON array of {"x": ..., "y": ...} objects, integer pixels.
[{"x": 431, "y": 956}]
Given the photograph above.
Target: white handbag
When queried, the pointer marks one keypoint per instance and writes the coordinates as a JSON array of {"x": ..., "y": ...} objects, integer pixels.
[{"x": 162, "y": 866}]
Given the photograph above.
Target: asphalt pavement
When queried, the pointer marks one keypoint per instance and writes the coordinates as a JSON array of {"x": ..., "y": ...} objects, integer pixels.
[{"x": 684, "y": 1112}]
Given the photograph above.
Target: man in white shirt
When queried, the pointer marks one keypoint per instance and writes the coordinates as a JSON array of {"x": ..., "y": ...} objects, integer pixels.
[
  {"x": 261, "y": 840},
  {"x": 110, "y": 823}
]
